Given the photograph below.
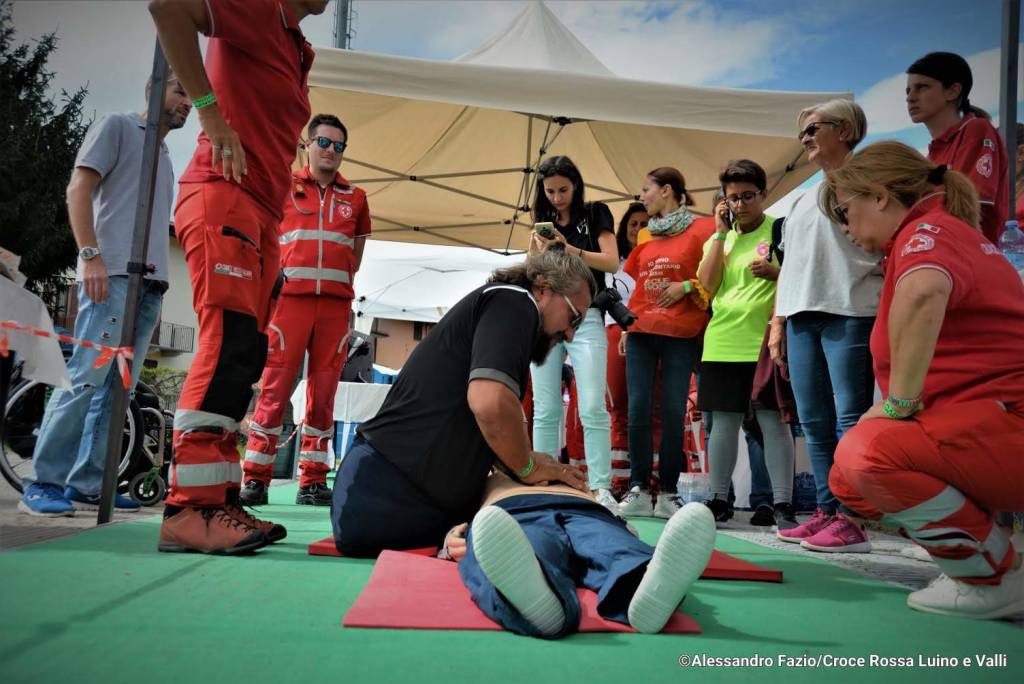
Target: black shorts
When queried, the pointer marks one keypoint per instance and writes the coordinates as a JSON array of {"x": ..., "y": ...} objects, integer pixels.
[{"x": 725, "y": 385}]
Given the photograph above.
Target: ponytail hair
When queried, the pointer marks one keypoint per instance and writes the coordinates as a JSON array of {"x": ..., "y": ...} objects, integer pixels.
[
  {"x": 949, "y": 68},
  {"x": 667, "y": 175},
  {"x": 904, "y": 174}
]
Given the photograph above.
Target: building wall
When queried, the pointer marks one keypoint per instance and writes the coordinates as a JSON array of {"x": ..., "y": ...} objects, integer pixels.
[
  {"x": 402, "y": 337},
  {"x": 177, "y": 307}
]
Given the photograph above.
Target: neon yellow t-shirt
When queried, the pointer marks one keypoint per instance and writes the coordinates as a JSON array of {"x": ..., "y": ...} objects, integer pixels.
[{"x": 743, "y": 302}]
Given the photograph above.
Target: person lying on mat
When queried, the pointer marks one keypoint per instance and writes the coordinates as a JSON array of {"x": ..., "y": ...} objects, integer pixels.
[
  {"x": 418, "y": 467},
  {"x": 944, "y": 449},
  {"x": 529, "y": 547}
]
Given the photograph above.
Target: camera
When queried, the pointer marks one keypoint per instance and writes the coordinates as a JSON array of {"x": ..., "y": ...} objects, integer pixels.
[
  {"x": 545, "y": 229},
  {"x": 609, "y": 301}
]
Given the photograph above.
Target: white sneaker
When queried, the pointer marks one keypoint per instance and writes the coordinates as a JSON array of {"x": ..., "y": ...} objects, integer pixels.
[
  {"x": 915, "y": 552},
  {"x": 946, "y": 596},
  {"x": 507, "y": 559},
  {"x": 666, "y": 506},
  {"x": 679, "y": 558},
  {"x": 637, "y": 502},
  {"x": 607, "y": 499}
]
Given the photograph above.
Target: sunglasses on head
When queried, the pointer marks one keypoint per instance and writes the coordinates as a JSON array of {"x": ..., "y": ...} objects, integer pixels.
[
  {"x": 323, "y": 142},
  {"x": 812, "y": 130}
]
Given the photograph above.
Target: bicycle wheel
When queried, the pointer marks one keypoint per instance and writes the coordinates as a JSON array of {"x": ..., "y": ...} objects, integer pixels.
[{"x": 20, "y": 429}]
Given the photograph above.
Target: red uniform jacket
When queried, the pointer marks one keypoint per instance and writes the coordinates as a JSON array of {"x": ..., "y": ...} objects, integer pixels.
[{"x": 318, "y": 233}]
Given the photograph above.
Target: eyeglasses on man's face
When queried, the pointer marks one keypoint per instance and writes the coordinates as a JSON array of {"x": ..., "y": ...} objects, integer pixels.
[{"x": 577, "y": 318}]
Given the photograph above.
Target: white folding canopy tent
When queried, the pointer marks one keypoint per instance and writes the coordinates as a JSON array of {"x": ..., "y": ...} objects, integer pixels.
[{"x": 447, "y": 150}]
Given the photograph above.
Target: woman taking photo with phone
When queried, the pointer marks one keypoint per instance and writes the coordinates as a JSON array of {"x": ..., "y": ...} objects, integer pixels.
[{"x": 584, "y": 229}]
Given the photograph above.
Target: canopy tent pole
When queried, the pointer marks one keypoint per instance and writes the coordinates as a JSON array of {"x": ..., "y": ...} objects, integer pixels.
[
  {"x": 136, "y": 268},
  {"x": 1008, "y": 94}
]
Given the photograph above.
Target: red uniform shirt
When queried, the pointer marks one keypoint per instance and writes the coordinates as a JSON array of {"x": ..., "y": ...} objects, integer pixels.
[
  {"x": 257, "y": 62},
  {"x": 973, "y": 147},
  {"x": 978, "y": 352},
  {"x": 317, "y": 235},
  {"x": 656, "y": 264}
]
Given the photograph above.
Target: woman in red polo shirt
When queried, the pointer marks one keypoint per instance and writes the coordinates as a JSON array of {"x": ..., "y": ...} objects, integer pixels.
[
  {"x": 671, "y": 315},
  {"x": 963, "y": 138},
  {"x": 946, "y": 446}
]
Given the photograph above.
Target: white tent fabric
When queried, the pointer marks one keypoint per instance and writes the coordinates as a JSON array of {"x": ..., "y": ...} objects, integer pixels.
[
  {"x": 446, "y": 150},
  {"x": 418, "y": 282}
]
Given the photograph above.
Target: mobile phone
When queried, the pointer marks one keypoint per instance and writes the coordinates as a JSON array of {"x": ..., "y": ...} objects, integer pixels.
[{"x": 545, "y": 229}]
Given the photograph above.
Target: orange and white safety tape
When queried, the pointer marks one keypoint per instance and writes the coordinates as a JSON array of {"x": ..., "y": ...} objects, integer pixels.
[{"x": 122, "y": 354}]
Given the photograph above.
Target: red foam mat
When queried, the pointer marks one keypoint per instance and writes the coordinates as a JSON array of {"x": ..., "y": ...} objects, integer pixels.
[
  {"x": 721, "y": 566},
  {"x": 409, "y": 591}
]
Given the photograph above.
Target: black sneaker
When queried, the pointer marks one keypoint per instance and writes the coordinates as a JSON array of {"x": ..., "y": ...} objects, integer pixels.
[
  {"x": 721, "y": 509},
  {"x": 785, "y": 517},
  {"x": 764, "y": 516},
  {"x": 254, "y": 493},
  {"x": 318, "y": 494}
]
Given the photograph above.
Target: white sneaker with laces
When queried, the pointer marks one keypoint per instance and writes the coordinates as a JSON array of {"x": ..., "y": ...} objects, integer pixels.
[
  {"x": 666, "y": 505},
  {"x": 607, "y": 499},
  {"x": 946, "y": 596},
  {"x": 637, "y": 502}
]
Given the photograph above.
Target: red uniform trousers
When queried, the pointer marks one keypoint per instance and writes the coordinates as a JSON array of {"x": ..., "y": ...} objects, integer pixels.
[
  {"x": 230, "y": 245},
  {"x": 319, "y": 324},
  {"x": 939, "y": 476}
]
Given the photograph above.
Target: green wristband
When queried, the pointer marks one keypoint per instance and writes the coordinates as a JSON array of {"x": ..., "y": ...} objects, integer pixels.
[
  {"x": 719, "y": 236},
  {"x": 525, "y": 472},
  {"x": 687, "y": 286},
  {"x": 905, "y": 403},
  {"x": 891, "y": 411},
  {"x": 205, "y": 101}
]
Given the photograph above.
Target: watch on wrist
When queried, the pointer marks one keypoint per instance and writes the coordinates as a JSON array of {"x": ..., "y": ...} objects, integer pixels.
[{"x": 88, "y": 253}]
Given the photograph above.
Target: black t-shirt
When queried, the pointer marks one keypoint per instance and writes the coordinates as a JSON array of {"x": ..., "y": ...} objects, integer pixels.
[
  {"x": 425, "y": 426},
  {"x": 584, "y": 231}
]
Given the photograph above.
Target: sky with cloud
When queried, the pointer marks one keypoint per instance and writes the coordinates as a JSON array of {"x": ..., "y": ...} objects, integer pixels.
[{"x": 862, "y": 46}]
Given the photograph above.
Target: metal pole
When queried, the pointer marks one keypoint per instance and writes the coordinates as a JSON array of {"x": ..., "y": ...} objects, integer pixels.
[
  {"x": 1008, "y": 94},
  {"x": 343, "y": 24},
  {"x": 136, "y": 268}
]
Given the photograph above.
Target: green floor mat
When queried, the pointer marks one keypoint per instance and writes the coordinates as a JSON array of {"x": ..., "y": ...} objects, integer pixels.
[{"x": 104, "y": 606}]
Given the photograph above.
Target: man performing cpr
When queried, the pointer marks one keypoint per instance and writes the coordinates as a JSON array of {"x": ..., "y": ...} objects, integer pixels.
[{"x": 418, "y": 467}]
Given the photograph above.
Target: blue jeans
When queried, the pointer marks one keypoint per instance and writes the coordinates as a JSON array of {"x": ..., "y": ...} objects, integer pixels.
[
  {"x": 760, "y": 481},
  {"x": 589, "y": 354},
  {"x": 72, "y": 445},
  {"x": 677, "y": 356},
  {"x": 833, "y": 384},
  {"x": 577, "y": 543}
]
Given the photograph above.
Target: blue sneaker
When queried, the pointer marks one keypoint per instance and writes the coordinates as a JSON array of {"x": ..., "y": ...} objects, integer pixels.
[
  {"x": 45, "y": 500},
  {"x": 84, "y": 502}
]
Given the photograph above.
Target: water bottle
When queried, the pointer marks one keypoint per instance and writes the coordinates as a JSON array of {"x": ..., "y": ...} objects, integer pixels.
[{"x": 1011, "y": 244}]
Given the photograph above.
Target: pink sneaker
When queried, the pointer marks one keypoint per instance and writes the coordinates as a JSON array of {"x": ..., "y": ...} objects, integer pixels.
[
  {"x": 839, "y": 536},
  {"x": 797, "y": 534}
]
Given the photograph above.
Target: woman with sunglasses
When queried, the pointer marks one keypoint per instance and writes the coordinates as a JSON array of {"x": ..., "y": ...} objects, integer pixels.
[
  {"x": 944, "y": 449},
  {"x": 671, "y": 312},
  {"x": 739, "y": 271},
  {"x": 585, "y": 230},
  {"x": 824, "y": 309},
  {"x": 963, "y": 137},
  {"x": 633, "y": 220}
]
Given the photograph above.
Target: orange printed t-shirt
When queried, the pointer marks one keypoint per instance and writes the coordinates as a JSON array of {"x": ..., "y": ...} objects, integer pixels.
[{"x": 655, "y": 265}]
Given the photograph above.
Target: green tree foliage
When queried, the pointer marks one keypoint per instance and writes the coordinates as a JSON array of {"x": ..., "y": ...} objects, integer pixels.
[{"x": 39, "y": 138}]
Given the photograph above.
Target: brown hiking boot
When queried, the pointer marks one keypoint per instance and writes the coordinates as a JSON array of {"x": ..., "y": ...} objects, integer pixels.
[
  {"x": 208, "y": 530},
  {"x": 274, "y": 532}
]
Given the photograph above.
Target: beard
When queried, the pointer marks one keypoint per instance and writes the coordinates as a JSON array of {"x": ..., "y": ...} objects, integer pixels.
[
  {"x": 543, "y": 344},
  {"x": 174, "y": 119}
]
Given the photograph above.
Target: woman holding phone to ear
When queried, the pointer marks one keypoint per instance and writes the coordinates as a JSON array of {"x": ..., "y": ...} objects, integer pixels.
[{"x": 586, "y": 230}]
